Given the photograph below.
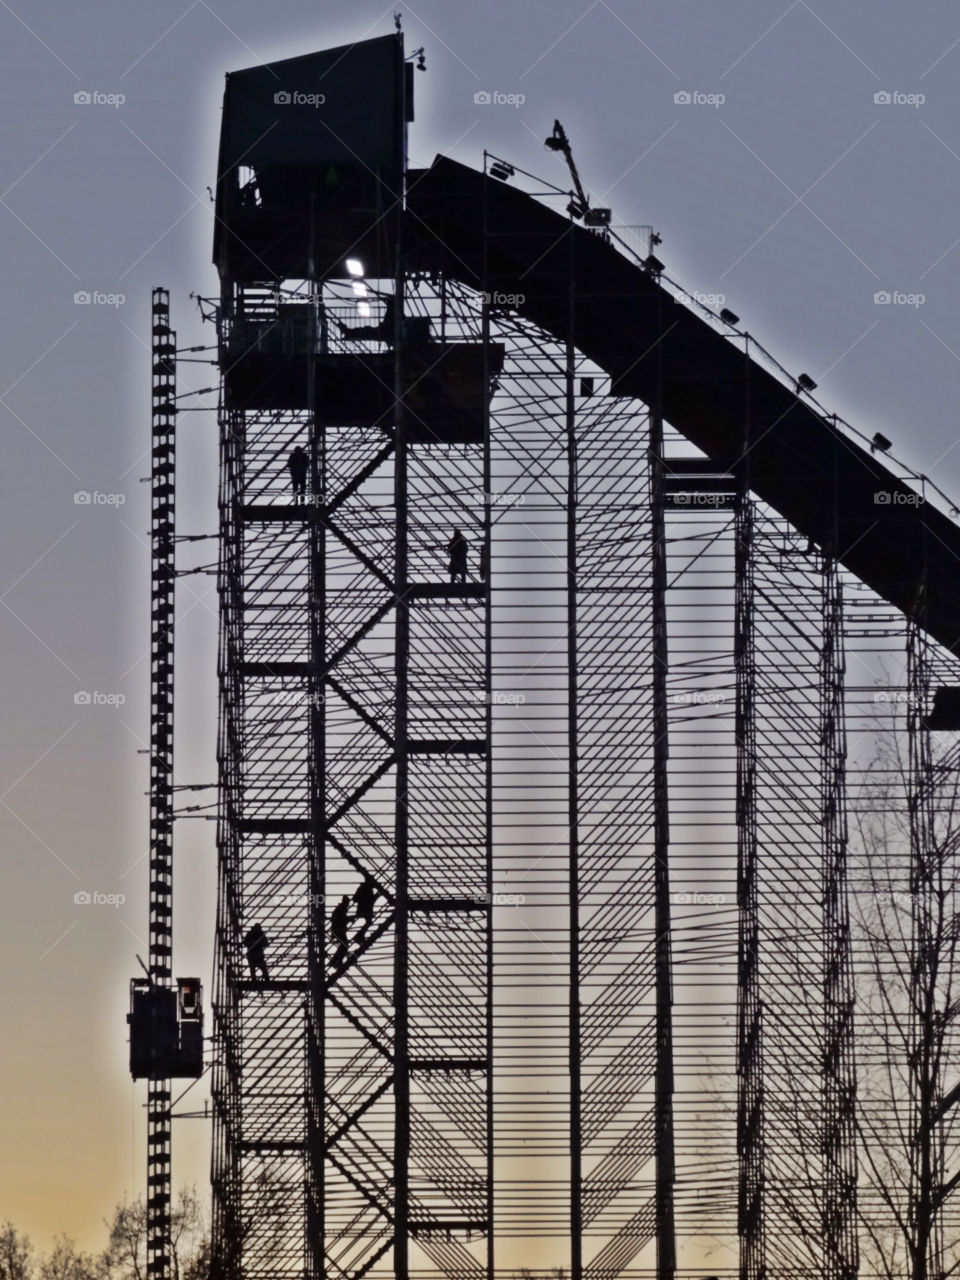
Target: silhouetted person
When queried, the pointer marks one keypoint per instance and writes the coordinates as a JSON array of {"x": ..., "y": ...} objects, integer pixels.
[
  {"x": 382, "y": 330},
  {"x": 298, "y": 464},
  {"x": 458, "y": 557},
  {"x": 364, "y": 899},
  {"x": 484, "y": 562},
  {"x": 415, "y": 328},
  {"x": 339, "y": 919},
  {"x": 255, "y": 940}
]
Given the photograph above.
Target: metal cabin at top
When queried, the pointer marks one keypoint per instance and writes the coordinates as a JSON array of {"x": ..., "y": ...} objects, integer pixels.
[
  {"x": 311, "y": 166},
  {"x": 410, "y": 1076}
]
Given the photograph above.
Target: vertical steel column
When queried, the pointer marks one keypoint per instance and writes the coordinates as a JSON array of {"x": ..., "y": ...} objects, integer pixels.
[
  {"x": 225, "y": 1159},
  {"x": 162, "y": 584},
  {"x": 573, "y": 798},
  {"x": 839, "y": 1221},
  {"x": 488, "y": 720},
  {"x": 750, "y": 1138},
  {"x": 316, "y": 911},
  {"x": 401, "y": 973},
  {"x": 663, "y": 961},
  {"x": 750, "y": 1102}
]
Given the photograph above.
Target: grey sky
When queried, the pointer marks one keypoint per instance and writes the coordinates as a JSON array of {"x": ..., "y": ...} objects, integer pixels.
[{"x": 798, "y": 198}]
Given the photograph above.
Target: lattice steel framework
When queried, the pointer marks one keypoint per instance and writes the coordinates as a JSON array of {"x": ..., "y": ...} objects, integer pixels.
[
  {"x": 352, "y": 1094},
  {"x": 621, "y": 849},
  {"x": 798, "y": 1166},
  {"x": 803, "y": 939},
  {"x": 758, "y": 821},
  {"x": 162, "y": 585}
]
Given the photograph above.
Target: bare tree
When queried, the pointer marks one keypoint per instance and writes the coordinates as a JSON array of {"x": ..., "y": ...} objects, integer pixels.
[
  {"x": 16, "y": 1254},
  {"x": 66, "y": 1262},
  {"x": 904, "y": 864},
  {"x": 126, "y": 1252},
  {"x": 125, "y": 1255},
  {"x": 908, "y": 926}
]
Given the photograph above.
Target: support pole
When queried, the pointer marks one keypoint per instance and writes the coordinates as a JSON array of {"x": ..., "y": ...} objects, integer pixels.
[
  {"x": 573, "y": 800},
  {"x": 750, "y": 1100},
  {"x": 839, "y": 1215},
  {"x": 663, "y": 1101},
  {"x": 488, "y": 733},
  {"x": 316, "y": 911},
  {"x": 401, "y": 973},
  {"x": 751, "y": 1203}
]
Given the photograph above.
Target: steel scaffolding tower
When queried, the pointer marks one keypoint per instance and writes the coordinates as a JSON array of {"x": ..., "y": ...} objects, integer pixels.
[
  {"x": 805, "y": 983},
  {"x": 355, "y": 725},
  {"x": 622, "y": 1113},
  {"x": 355, "y": 745}
]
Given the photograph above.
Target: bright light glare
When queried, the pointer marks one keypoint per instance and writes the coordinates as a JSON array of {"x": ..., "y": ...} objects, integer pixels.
[
  {"x": 360, "y": 289},
  {"x": 363, "y": 309},
  {"x": 355, "y": 266}
]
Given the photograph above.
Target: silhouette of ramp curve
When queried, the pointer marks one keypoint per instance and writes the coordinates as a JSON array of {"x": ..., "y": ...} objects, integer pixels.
[{"x": 572, "y": 283}]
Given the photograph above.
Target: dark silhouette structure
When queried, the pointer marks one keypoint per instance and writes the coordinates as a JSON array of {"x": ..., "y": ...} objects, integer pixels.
[{"x": 701, "y": 551}]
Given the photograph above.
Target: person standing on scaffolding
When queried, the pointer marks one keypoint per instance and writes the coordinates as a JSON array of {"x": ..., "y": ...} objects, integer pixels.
[
  {"x": 457, "y": 548},
  {"x": 298, "y": 465}
]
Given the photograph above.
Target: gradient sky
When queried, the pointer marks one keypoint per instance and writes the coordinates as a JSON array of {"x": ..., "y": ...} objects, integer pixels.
[{"x": 798, "y": 198}]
